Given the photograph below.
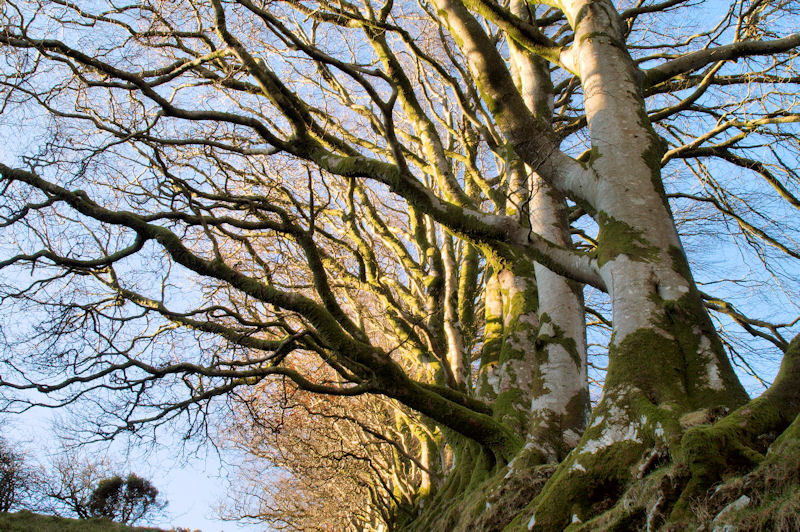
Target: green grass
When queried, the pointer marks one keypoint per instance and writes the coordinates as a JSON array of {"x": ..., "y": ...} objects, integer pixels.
[{"x": 25, "y": 521}]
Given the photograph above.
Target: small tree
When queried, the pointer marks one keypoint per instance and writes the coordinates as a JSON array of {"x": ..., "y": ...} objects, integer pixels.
[
  {"x": 126, "y": 501},
  {"x": 70, "y": 483},
  {"x": 16, "y": 478}
]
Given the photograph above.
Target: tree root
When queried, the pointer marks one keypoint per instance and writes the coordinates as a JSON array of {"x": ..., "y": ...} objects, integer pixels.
[
  {"x": 479, "y": 499},
  {"x": 739, "y": 441}
]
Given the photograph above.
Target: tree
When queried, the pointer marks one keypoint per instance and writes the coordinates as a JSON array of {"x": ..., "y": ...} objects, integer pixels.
[
  {"x": 415, "y": 201},
  {"x": 17, "y": 479},
  {"x": 126, "y": 501},
  {"x": 72, "y": 478},
  {"x": 84, "y": 487},
  {"x": 316, "y": 463}
]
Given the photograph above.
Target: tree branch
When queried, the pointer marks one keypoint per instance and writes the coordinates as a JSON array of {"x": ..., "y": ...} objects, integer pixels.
[{"x": 696, "y": 60}]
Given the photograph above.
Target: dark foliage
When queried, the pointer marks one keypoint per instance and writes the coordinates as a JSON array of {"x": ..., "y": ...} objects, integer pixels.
[{"x": 126, "y": 501}]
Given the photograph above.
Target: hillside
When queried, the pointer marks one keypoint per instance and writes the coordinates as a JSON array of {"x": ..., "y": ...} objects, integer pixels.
[{"x": 25, "y": 521}]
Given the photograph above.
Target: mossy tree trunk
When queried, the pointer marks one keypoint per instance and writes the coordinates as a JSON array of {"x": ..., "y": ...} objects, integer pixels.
[
  {"x": 665, "y": 359},
  {"x": 560, "y": 405}
]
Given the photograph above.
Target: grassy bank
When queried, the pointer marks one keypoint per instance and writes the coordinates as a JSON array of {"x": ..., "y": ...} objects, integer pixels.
[{"x": 25, "y": 521}]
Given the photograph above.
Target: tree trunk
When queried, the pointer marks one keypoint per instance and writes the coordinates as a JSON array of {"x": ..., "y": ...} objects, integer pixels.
[
  {"x": 560, "y": 406},
  {"x": 665, "y": 359}
]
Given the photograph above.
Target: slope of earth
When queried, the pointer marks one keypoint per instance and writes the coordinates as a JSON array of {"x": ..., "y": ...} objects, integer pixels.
[{"x": 25, "y": 521}]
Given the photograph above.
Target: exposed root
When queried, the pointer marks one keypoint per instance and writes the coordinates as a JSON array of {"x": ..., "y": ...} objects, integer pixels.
[
  {"x": 650, "y": 478},
  {"x": 765, "y": 499},
  {"x": 489, "y": 506},
  {"x": 738, "y": 442}
]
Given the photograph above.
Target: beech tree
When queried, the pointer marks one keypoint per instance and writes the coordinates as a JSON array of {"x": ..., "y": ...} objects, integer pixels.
[
  {"x": 417, "y": 203},
  {"x": 315, "y": 463}
]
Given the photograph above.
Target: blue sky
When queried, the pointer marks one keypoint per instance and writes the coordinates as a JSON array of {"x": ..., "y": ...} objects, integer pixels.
[{"x": 193, "y": 481}]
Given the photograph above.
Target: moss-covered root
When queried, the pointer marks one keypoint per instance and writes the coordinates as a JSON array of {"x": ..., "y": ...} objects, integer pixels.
[
  {"x": 775, "y": 485},
  {"x": 738, "y": 441},
  {"x": 487, "y": 504},
  {"x": 581, "y": 487},
  {"x": 479, "y": 495},
  {"x": 628, "y": 437},
  {"x": 767, "y": 498},
  {"x": 786, "y": 448}
]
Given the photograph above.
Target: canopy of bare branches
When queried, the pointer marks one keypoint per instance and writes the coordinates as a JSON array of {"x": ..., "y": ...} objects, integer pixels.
[{"x": 384, "y": 245}]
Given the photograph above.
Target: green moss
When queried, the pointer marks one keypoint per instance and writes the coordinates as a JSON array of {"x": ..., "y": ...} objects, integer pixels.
[
  {"x": 631, "y": 364},
  {"x": 522, "y": 304},
  {"x": 652, "y": 157},
  {"x": 493, "y": 328},
  {"x": 510, "y": 408},
  {"x": 710, "y": 452},
  {"x": 587, "y": 489},
  {"x": 629, "y": 519},
  {"x": 588, "y": 157},
  {"x": 636, "y": 507},
  {"x": 488, "y": 502},
  {"x": 594, "y": 35},
  {"x": 616, "y": 238},
  {"x": 658, "y": 420},
  {"x": 680, "y": 264},
  {"x": 510, "y": 341},
  {"x": 771, "y": 491},
  {"x": 578, "y": 408},
  {"x": 581, "y": 491},
  {"x": 643, "y": 478},
  {"x": 638, "y": 393},
  {"x": 680, "y": 377},
  {"x": 490, "y": 354},
  {"x": 655, "y": 150},
  {"x": 737, "y": 442},
  {"x": 560, "y": 338},
  {"x": 777, "y": 509}
]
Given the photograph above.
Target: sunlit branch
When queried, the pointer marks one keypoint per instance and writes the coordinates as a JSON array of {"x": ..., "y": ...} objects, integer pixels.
[{"x": 696, "y": 60}]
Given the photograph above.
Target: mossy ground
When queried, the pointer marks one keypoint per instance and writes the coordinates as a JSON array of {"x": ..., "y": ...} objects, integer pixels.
[
  {"x": 492, "y": 500},
  {"x": 761, "y": 497},
  {"x": 25, "y": 521},
  {"x": 765, "y": 499}
]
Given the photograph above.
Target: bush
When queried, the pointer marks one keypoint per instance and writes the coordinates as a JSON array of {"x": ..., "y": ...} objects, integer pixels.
[{"x": 126, "y": 501}]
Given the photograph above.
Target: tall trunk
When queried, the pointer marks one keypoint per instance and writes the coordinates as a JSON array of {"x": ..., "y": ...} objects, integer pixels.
[
  {"x": 456, "y": 354},
  {"x": 436, "y": 285},
  {"x": 467, "y": 291},
  {"x": 517, "y": 357},
  {"x": 512, "y": 320},
  {"x": 657, "y": 310},
  {"x": 560, "y": 409},
  {"x": 506, "y": 375},
  {"x": 665, "y": 358},
  {"x": 560, "y": 406},
  {"x": 488, "y": 381}
]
